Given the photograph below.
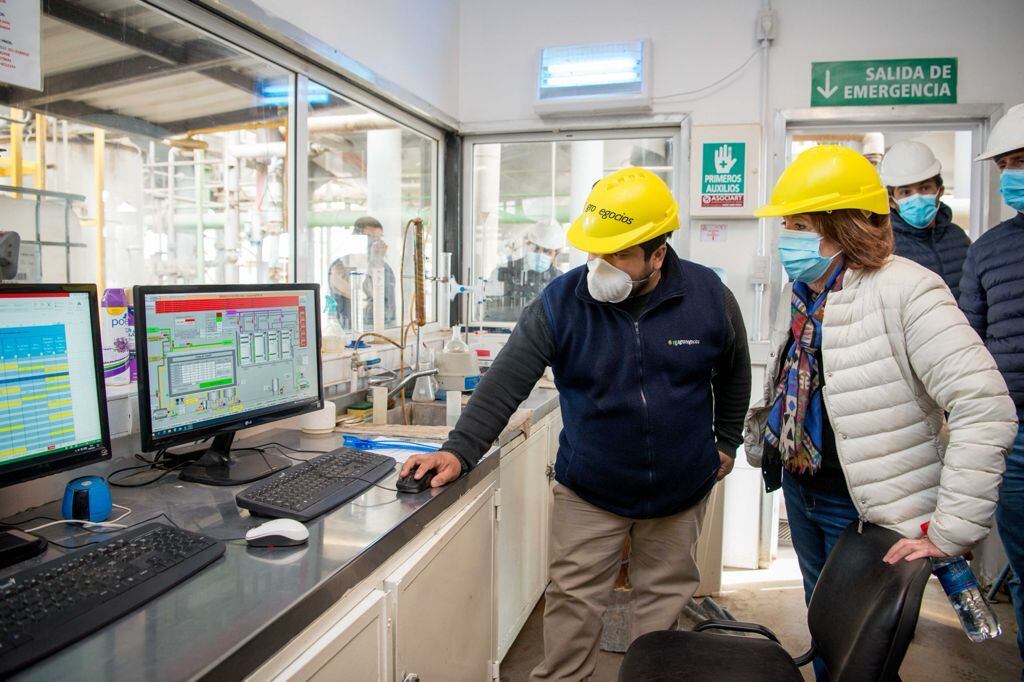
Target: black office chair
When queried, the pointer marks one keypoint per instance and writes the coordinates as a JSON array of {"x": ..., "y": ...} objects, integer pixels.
[{"x": 862, "y": 617}]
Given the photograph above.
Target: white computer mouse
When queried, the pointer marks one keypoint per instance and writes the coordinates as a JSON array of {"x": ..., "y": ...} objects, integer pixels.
[{"x": 277, "y": 533}]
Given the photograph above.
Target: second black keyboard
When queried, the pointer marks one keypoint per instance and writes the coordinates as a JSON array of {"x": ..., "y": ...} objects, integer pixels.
[
  {"x": 317, "y": 485},
  {"x": 47, "y": 607}
]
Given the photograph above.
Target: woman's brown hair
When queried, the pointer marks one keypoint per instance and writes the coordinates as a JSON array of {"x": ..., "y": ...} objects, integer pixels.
[{"x": 865, "y": 238}]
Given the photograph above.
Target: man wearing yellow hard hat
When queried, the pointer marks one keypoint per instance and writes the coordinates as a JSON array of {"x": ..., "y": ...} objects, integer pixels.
[{"x": 650, "y": 358}]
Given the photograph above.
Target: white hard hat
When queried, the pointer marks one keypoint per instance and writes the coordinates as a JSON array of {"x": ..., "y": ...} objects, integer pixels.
[
  {"x": 908, "y": 162},
  {"x": 873, "y": 143},
  {"x": 1007, "y": 134},
  {"x": 547, "y": 234}
]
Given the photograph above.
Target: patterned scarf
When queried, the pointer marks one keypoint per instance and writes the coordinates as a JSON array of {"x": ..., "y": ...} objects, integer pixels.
[{"x": 795, "y": 421}]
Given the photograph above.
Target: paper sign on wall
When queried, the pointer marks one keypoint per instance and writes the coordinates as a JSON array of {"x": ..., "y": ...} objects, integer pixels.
[
  {"x": 713, "y": 232},
  {"x": 723, "y": 175},
  {"x": 20, "y": 43}
]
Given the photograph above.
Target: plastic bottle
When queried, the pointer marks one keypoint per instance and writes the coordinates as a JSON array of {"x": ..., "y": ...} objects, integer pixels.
[
  {"x": 960, "y": 585},
  {"x": 133, "y": 368},
  {"x": 114, "y": 331},
  {"x": 332, "y": 338}
]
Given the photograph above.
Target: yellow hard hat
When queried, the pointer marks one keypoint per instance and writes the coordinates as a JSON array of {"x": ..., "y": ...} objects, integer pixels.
[
  {"x": 826, "y": 178},
  {"x": 624, "y": 209}
]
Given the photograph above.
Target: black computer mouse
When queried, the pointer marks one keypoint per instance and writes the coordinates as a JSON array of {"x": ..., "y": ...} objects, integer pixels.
[{"x": 408, "y": 484}]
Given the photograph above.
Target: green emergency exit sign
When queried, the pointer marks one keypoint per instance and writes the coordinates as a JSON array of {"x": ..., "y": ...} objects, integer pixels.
[{"x": 883, "y": 81}]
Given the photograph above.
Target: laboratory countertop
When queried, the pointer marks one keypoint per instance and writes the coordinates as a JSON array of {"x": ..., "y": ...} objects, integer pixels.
[{"x": 225, "y": 621}]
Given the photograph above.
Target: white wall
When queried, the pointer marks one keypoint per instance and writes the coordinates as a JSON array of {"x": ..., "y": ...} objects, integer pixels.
[
  {"x": 695, "y": 43},
  {"x": 413, "y": 43}
]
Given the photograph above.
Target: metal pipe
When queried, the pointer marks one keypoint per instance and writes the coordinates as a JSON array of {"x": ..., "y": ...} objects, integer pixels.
[
  {"x": 760, "y": 292},
  {"x": 172, "y": 242},
  {"x": 411, "y": 378},
  {"x": 232, "y": 217},
  {"x": 198, "y": 170},
  {"x": 99, "y": 141},
  {"x": 40, "y": 152},
  {"x": 65, "y": 161},
  {"x": 444, "y": 297},
  {"x": 17, "y": 130}
]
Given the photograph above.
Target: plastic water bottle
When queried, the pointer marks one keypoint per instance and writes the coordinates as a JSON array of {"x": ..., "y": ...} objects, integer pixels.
[
  {"x": 114, "y": 332},
  {"x": 133, "y": 369},
  {"x": 960, "y": 585}
]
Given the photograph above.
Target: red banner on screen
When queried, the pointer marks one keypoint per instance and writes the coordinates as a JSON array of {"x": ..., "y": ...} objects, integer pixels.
[{"x": 196, "y": 305}]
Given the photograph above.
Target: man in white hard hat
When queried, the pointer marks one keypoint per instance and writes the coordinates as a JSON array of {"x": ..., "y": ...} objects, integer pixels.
[
  {"x": 992, "y": 297},
  {"x": 524, "y": 278},
  {"x": 921, "y": 224}
]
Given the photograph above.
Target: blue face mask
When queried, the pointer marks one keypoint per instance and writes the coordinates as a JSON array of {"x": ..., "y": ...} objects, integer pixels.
[
  {"x": 800, "y": 253},
  {"x": 1011, "y": 186},
  {"x": 918, "y": 210},
  {"x": 538, "y": 262}
]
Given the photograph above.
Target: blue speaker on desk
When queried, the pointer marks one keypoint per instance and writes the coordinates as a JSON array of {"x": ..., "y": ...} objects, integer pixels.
[{"x": 87, "y": 499}]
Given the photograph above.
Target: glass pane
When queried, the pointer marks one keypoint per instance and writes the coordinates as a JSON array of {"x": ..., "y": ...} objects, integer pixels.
[
  {"x": 525, "y": 196},
  {"x": 951, "y": 147},
  {"x": 368, "y": 177},
  {"x": 174, "y": 142}
]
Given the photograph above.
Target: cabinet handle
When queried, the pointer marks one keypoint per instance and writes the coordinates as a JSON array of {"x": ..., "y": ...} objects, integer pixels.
[{"x": 411, "y": 677}]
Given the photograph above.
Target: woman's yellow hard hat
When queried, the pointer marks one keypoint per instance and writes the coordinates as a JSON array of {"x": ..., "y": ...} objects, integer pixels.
[
  {"x": 624, "y": 209},
  {"x": 826, "y": 178}
]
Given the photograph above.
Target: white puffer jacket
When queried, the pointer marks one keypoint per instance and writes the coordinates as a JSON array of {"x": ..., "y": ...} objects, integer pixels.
[{"x": 897, "y": 354}]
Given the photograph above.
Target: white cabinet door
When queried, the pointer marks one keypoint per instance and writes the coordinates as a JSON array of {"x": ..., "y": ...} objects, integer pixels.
[
  {"x": 357, "y": 647},
  {"x": 522, "y": 534},
  {"x": 443, "y": 600}
]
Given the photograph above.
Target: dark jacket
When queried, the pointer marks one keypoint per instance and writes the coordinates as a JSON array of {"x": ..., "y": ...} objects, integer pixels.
[
  {"x": 636, "y": 456},
  {"x": 940, "y": 248},
  {"x": 992, "y": 297}
]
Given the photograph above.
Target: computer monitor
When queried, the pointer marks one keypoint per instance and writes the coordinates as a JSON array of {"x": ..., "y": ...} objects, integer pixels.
[
  {"x": 53, "y": 406},
  {"x": 215, "y": 359}
]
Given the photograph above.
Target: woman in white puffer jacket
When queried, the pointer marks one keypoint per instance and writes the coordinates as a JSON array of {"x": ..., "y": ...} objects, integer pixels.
[{"x": 854, "y": 413}]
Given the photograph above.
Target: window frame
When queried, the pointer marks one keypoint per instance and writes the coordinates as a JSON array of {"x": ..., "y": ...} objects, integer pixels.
[
  {"x": 679, "y": 133},
  {"x": 300, "y": 70}
]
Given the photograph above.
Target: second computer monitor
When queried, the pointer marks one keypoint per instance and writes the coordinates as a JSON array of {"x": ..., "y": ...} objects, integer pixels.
[{"x": 215, "y": 359}]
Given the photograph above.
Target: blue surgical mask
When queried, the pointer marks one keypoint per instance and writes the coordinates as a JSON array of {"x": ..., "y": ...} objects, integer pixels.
[
  {"x": 1011, "y": 186},
  {"x": 800, "y": 253},
  {"x": 538, "y": 262},
  {"x": 918, "y": 210}
]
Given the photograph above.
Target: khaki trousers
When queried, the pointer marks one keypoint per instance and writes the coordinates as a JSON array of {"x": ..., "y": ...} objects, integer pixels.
[{"x": 586, "y": 549}]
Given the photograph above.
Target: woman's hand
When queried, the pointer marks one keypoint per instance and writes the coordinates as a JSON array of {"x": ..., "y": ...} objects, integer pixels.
[{"x": 910, "y": 550}]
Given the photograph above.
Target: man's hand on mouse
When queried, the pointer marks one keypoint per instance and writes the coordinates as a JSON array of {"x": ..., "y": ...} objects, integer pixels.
[{"x": 445, "y": 465}]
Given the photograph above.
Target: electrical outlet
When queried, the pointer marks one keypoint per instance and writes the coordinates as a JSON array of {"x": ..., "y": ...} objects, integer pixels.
[{"x": 765, "y": 27}]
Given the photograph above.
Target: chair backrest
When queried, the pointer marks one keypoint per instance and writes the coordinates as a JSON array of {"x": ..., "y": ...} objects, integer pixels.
[{"x": 863, "y": 611}]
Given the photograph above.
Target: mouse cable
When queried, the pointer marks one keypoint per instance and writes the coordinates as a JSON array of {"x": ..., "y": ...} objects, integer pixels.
[
  {"x": 118, "y": 530},
  {"x": 87, "y": 524}
]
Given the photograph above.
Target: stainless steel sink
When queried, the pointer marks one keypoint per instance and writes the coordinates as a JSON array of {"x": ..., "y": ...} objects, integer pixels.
[{"x": 420, "y": 414}]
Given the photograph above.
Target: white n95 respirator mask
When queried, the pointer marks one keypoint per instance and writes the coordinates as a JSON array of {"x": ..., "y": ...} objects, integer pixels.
[{"x": 607, "y": 283}]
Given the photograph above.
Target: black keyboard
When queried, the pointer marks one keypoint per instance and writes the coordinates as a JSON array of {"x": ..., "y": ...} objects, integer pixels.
[
  {"x": 315, "y": 486},
  {"x": 47, "y": 607}
]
